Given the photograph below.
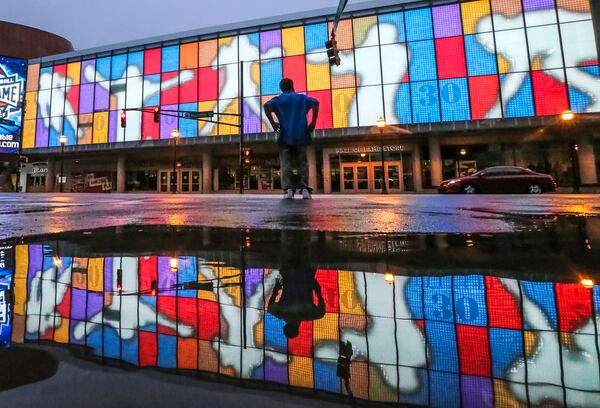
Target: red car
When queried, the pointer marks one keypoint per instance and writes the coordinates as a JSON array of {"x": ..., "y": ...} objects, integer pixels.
[{"x": 501, "y": 179}]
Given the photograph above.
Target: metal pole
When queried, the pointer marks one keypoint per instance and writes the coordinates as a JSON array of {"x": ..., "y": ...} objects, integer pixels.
[
  {"x": 575, "y": 166},
  {"x": 19, "y": 166},
  {"x": 383, "y": 180},
  {"x": 241, "y": 123},
  {"x": 62, "y": 162},
  {"x": 174, "y": 190}
]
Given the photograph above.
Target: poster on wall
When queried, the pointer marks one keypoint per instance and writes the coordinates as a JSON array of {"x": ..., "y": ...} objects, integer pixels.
[
  {"x": 13, "y": 73},
  {"x": 6, "y": 274}
]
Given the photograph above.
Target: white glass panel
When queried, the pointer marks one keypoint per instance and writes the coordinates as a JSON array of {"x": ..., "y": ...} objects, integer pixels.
[
  {"x": 368, "y": 70},
  {"x": 133, "y": 131},
  {"x": 395, "y": 63},
  {"x": 134, "y": 92},
  {"x": 511, "y": 47},
  {"x": 540, "y": 17},
  {"x": 544, "y": 46},
  {"x": 58, "y": 102},
  {"x": 228, "y": 53},
  {"x": 579, "y": 43},
  {"x": 370, "y": 105}
]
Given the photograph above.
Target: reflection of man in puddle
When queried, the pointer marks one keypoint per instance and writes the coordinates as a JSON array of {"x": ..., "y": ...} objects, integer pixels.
[{"x": 293, "y": 298}]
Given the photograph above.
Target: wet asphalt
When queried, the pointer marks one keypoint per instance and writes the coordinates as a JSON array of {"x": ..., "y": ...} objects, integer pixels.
[{"x": 32, "y": 214}]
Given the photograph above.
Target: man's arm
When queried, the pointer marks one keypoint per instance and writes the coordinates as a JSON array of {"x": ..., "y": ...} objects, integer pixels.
[
  {"x": 315, "y": 114},
  {"x": 269, "y": 113}
]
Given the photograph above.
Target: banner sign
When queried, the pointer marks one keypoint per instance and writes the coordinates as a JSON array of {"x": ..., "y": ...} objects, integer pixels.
[
  {"x": 13, "y": 73},
  {"x": 6, "y": 275}
]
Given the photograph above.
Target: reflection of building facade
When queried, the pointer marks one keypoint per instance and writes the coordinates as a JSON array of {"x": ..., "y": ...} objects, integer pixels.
[
  {"x": 478, "y": 84},
  {"x": 454, "y": 340}
]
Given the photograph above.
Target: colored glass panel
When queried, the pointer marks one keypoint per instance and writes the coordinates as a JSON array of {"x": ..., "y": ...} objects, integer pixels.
[
  {"x": 292, "y": 40},
  {"x": 472, "y": 14},
  {"x": 135, "y": 64},
  {"x": 397, "y": 103},
  {"x": 271, "y": 73},
  {"x": 419, "y": 24},
  {"x": 422, "y": 64},
  {"x": 344, "y": 107},
  {"x": 425, "y": 101},
  {"x": 207, "y": 53},
  {"x": 391, "y": 28},
  {"x": 550, "y": 92},
  {"x": 325, "y": 120},
  {"x": 447, "y": 21},
  {"x": 152, "y": 61},
  {"x": 450, "y": 56},
  {"x": 295, "y": 69},
  {"x": 315, "y": 36},
  {"x": 188, "y": 55},
  {"x": 365, "y": 31},
  {"x": 317, "y": 72},
  {"x": 480, "y": 60},
  {"x": 170, "y": 58}
]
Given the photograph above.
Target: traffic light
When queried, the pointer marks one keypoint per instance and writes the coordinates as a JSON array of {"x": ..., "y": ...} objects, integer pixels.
[
  {"x": 153, "y": 288},
  {"x": 247, "y": 155},
  {"x": 157, "y": 115},
  {"x": 123, "y": 119},
  {"x": 333, "y": 54},
  {"x": 119, "y": 280}
]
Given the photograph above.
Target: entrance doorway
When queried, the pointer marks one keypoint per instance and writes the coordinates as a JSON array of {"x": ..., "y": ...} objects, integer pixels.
[
  {"x": 367, "y": 177},
  {"x": 181, "y": 181}
]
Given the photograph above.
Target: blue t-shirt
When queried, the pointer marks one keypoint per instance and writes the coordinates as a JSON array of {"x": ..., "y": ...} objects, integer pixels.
[{"x": 291, "y": 110}]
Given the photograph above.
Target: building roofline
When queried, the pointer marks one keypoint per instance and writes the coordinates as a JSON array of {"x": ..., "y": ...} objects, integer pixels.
[{"x": 262, "y": 24}]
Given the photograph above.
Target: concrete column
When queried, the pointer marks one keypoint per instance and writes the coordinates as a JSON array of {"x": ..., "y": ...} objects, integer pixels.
[
  {"x": 417, "y": 172},
  {"x": 435, "y": 155},
  {"x": 326, "y": 173},
  {"x": 207, "y": 173},
  {"x": 311, "y": 157},
  {"x": 121, "y": 172},
  {"x": 587, "y": 162},
  {"x": 50, "y": 176},
  {"x": 215, "y": 174}
]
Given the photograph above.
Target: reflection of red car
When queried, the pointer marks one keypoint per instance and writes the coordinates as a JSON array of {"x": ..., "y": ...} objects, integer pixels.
[{"x": 502, "y": 179}]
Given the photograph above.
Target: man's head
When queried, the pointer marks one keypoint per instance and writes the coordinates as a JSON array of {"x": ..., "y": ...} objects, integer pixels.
[
  {"x": 286, "y": 85},
  {"x": 291, "y": 330}
]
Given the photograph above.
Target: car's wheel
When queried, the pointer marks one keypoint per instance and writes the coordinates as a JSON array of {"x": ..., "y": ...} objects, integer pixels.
[
  {"x": 469, "y": 189},
  {"x": 535, "y": 189}
]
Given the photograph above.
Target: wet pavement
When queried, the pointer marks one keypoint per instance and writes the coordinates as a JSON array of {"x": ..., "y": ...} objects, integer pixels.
[
  {"x": 27, "y": 214},
  {"x": 500, "y": 315}
]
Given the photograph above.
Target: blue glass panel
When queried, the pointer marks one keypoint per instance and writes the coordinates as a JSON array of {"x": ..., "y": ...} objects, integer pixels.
[
  {"x": 414, "y": 296},
  {"x": 505, "y": 346},
  {"x": 396, "y": 19},
  {"x": 150, "y": 301},
  {"x": 129, "y": 350},
  {"x": 170, "y": 58},
  {"x": 102, "y": 68},
  {"x": 445, "y": 389},
  {"x": 438, "y": 298},
  {"x": 442, "y": 342},
  {"x": 254, "y": 39},
  {"x": 421, "y": 396},
  {"x": 522, "y": 103},
  {"x": 315, "y": 36},
  {"x": 271, "y": 73},
  {"x": 419, "y": 25},
  {"x": 597, "y": 298},
  {"x": 581, "y": 100},
  {"x": 542, "y": 294},
  {"x": 403, "y": 110},
  {"x": 119, "y": 65},
  {"x": 425, "y": 102},
  {"x": 55, "y": 133},
  {"x": 469, "y": 300},
  {"x": 479, "y": 61},
  {"x": 274, "y": 337},
  {"x": 136, "y": 59},
  {"x": 422, "y": 65},
  {"x": 167, "y": 351},
  {"x": 454, "y": 95},
  {"x": 69, "y": 131},
  {"x": 152, "y": 99},
  {"x": 325, "y": 377},
  {"x": 112, "y": 343},
  {"x": 94, "y": 340},
  {"x": 186, "y": 271}
]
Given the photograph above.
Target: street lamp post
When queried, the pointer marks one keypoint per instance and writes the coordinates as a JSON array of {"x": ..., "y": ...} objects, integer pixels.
[
  {"x": 174, "y": 136},
  {"x": 567, "y": 118},
  {"x": 381, "y": 125},
  {"x": 62, "y": 139}
]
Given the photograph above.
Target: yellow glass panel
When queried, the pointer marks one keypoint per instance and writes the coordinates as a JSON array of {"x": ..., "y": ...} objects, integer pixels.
[
  {"x": 33, "y": 77},
  {"x": 100, "y": 127},
  {"x": 30, "y": 105},
  {"x": 20, "y": 280},
  {"x": 29, "y": 134},
  {"x": 349, "y": 297},
  {"x": 326, "y": 328},
  {"x": 504, "y": 397},
  {"x": 207, "y": 128},
  {"x": 228, "y": 106},
  {"x": 203, "y": 276},
  {"x": 74, "y": 72},
  {"x": 341, "y": 101},
  {"x": 301, "y": 372},
  {"x": 361, "y": 27},
  {"x": 96, "y": 274},
  {"x": 503, "y": 65},
  {"x": 472, "y": 12},
  {"x": 317, "y": 75},
  {"x": 266, "y": 126},
  {"x": 379, "y": 389},
  {"x": 61, "y": 333},
  {"x": 292, "y": 40}
]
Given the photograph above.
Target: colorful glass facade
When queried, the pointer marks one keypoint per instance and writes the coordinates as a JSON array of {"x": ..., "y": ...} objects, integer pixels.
[
  {"x": 454, "y": 340},
  {"x": 484, "y": 59}
]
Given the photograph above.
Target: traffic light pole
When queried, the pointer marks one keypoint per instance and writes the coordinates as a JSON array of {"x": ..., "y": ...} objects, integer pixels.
[
  {"x": 241, "y": 124},
  {"x": 20, "y": 136}
]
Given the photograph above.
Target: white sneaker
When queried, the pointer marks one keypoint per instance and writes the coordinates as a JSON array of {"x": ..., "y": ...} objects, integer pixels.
[
  {"x": 289, "y": 194},
  {"x": 306, "y": 194}
]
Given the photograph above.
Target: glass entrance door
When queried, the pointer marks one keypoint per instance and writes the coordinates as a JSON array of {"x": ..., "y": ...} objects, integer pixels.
[
  {"x": 181, "y": 181},
  {"x": 367, "y": 177}
]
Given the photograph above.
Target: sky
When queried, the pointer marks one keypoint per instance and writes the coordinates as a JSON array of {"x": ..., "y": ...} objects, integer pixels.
[{"x": 92, "y": 23}]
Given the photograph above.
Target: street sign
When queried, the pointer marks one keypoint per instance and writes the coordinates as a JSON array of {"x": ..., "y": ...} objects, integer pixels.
[
  {"x": 7, "y": 122},
  {"x": 198, "y": 115}
]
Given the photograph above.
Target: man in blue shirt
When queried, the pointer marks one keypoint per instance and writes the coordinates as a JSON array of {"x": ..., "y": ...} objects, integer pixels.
[{"x": 294, "y": 135}]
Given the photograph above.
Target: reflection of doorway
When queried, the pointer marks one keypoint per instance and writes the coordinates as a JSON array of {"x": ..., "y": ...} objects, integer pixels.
[
  {"x": 366, "y": 177},
  {"x": 181, "y": 181}
]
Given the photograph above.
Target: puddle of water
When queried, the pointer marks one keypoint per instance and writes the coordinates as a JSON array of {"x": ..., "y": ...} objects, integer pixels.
[{"x": 430, "y": 319}]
